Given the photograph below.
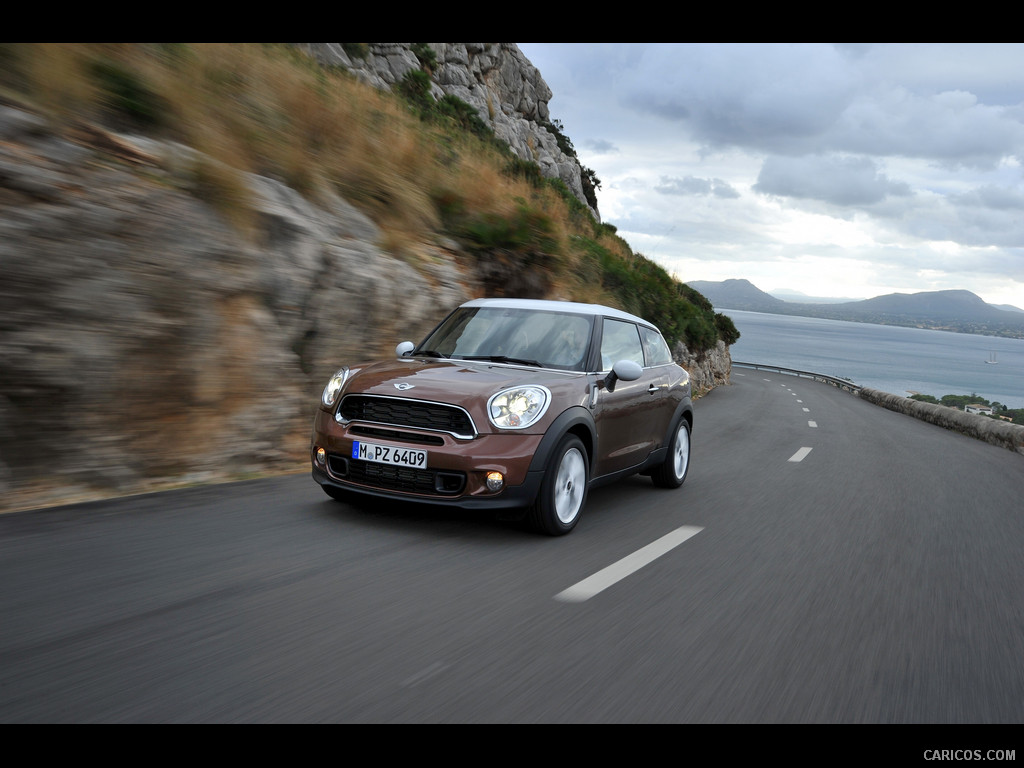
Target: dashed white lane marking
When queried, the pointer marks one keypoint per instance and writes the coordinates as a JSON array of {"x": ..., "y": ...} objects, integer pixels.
[
  {"x": 425, "y": 674},
  {"x": 800, "y": 455},
  {"x": 606, "y": 577},
  {"x": 806, "y": 410},
  {"x": 812, "y": 424}
]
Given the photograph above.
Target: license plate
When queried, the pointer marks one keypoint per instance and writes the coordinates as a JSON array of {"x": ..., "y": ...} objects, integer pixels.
[{"x": 389, "y": 454}]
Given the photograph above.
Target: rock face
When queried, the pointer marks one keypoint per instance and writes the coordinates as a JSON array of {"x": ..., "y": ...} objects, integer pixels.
[
  {"x": 707, "y": 369},
  {"x": 507, "y": 91},
  {"x": 143, "y": 341}
]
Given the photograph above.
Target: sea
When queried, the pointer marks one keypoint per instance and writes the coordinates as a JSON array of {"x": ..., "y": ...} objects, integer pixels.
[{"x": 901, "y": 361}]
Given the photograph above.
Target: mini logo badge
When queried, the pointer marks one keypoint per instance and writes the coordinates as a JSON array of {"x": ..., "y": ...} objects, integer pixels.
[{"x": 404, "y": 386}]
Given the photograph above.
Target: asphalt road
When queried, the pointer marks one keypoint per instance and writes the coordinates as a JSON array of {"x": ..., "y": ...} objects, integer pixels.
[{"x": 827, "y": 561}]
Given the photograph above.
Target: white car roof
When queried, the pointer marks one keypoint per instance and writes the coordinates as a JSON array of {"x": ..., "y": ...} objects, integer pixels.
[{"x": 558, "y": 306}]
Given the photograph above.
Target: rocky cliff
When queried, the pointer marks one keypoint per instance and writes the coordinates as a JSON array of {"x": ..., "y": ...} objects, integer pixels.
[
  {"x": 144, "y": 342},
  {"x": 507, "y": 91}
]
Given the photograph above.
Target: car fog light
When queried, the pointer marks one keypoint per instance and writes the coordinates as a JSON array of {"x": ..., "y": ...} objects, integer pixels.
[
  {"x": 495, "y": 481},
  {"x": 321, "y": 456}
]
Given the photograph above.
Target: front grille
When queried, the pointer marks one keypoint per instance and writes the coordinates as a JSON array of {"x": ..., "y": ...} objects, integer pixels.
[
  {"x": 401, "y": 412},
  {"x": 403, "y": 479},
  {"x": 395, "y": 434}
]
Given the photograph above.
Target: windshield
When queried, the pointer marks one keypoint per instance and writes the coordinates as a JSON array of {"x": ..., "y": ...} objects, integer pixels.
[{"x": 520, "y": 336}]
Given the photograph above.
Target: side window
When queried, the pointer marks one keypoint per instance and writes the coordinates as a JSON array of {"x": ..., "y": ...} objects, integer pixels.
[
  {"x": 655, "y": 348},
  {"x": 620, "y": 340}
]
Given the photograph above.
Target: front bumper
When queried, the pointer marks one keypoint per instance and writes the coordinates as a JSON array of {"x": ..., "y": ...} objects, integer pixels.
[{"x": 456, "y": 471}]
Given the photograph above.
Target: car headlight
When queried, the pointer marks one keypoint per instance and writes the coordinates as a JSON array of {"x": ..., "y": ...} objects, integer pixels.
[
  {"x": 518, "y": 407},
  {"x": 334, "y": 387}
]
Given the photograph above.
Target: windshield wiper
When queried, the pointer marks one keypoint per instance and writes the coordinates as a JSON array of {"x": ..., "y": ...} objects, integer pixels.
[
  {"x": 428, "y": 353},
  {"x": 503, "y": 359}
]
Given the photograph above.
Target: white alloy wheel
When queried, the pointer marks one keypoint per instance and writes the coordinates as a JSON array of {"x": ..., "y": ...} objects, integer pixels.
[
  {"x": 563, "y": 491},
  {"x": 570, "y": 484},
  {"x": 681, "y": 452},
  {"x": 672, "y": 471}
]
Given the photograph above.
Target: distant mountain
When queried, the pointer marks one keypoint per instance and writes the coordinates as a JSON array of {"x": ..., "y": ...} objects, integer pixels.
[
  {"x": 959, "y": 304},
  {"x": 787, "y": 294},
  {"x": 960, "y": 311},
  {"x": 738, "y": 294}
]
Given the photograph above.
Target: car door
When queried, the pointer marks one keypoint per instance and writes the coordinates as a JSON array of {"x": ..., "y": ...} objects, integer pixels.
[
  {"x": 664, "y": 375},
  {"x": 627, "y": 415}
]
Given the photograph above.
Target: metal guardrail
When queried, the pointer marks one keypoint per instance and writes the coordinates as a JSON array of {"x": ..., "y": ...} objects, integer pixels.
[{"x": 835, "y": 381}]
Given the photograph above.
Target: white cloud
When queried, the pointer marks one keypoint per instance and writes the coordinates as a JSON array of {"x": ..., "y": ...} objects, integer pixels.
[
  {"x": 841, "y": 180},
  {"x": 599, "y": 147},
  {"x": 880, "y": 167},
  {"x": 692, "y": 185}
]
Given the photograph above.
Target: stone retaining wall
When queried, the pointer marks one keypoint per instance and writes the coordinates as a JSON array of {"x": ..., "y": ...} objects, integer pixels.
[{"x": 1001, "y": 433}]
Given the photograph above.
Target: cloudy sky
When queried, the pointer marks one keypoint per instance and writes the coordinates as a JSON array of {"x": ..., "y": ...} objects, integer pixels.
[{"x": 836, "y": 170}]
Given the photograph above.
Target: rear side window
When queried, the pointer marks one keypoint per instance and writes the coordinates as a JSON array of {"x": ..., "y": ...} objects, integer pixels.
[
  {"x": 655, "y": 348},
  {"x": 620, "y": 340}
]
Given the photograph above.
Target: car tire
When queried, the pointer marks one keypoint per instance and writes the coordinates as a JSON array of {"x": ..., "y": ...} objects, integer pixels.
[
  {"x": 563, "y": 492},
  {"x": 672, "y": 471}
]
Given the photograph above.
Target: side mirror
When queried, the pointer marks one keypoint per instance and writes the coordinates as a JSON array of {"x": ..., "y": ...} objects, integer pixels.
[
  {"x": 405, "y": 349},
  {"x": 626, "y": 370}
]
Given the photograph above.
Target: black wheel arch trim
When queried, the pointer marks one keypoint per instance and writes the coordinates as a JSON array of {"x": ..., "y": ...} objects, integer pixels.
[
  {"x": 570, "y": 420},
  {"x": 684, "y": 409}
]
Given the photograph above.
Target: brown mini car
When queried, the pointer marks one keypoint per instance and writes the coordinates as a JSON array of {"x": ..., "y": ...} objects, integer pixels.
[{"x": 509, "y": 404}]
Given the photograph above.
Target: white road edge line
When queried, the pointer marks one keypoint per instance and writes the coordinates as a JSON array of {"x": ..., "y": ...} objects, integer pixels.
[
  {"x": 800, "y": 455},
  {"x": 606, "y": 577}
]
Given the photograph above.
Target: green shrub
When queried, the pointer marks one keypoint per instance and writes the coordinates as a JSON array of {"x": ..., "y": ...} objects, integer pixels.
[
  {"x": 450, "y": 111},
  {"x": 127, "y": 96},
  {"x": 700, "y": 334},
  {"x": 639, "y": 285},
  {"x": 694, "y": 297},
  {"x": 527, "y": 170},
  {"x": 579, "y": 214},
  {"x": 960, "y": 401},
  {"x": 527, "y": 231},
  {"x": 414, "y": 87},
  {"x": 426, "y": 56},
  {"x": 726, "y": 329},
  {"x": 463, "y": 115},
  {"x": 555, "y": 129},
  {"x": 356, "y": 50},
  {"x": 588, "y": 178}
]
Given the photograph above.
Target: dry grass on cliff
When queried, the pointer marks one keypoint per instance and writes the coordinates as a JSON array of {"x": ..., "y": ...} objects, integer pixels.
[
  {"x": 270, "y": 110},
  {"x": 266, "y": 109}
]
